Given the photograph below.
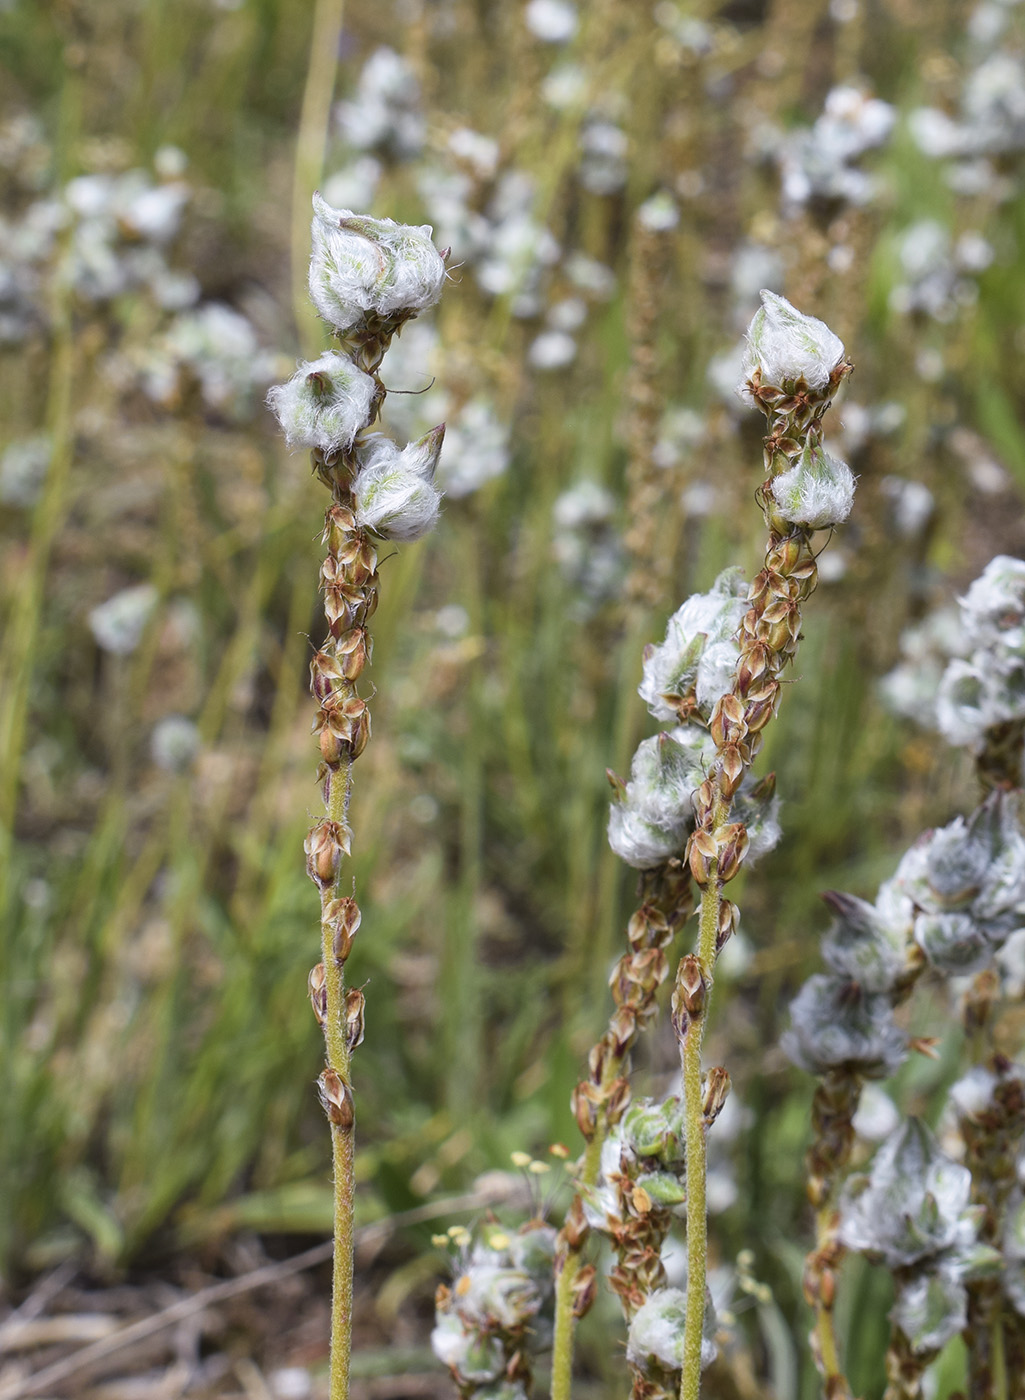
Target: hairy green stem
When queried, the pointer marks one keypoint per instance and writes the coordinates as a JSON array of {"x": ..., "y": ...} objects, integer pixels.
[
  {"x": 343, "y": 1145},
  {"x": 565, "y": 1319},
  {"x": 695, "y": 1137}
]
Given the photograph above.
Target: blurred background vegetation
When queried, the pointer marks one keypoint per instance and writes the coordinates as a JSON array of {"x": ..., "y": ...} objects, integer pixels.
[{"x": 617, "y": 181}]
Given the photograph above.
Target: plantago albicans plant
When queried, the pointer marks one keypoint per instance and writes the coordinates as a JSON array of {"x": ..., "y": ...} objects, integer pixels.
[
  {"x": 950, "y": 1233},
  {"x": 691, "y": 811},
  {"x": 367, "y": 278}
]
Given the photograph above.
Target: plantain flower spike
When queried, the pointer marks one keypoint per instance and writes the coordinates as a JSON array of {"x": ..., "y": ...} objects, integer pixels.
[
  {"x": 363, "y": 267},
  {"x": 324, "y": 404},
  {"x": 784, "y": 345},
  {"x": 394, "y": 491}
]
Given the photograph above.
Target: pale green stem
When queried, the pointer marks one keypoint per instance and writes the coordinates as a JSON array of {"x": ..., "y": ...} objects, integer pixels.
[
  {"x": 825, "y": 1330},
  {"x": 695, "y": 1132},
  {"x": 565, "y": 1321},
  {"x": 697, "y": 1215},
  {"x": 22, "y": 631},
  {"x": 342, "y": 1139},
  {"x": 1000, "y": 1388}
]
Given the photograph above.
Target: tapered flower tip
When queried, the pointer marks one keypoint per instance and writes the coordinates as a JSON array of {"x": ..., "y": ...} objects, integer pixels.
[
  {"x": 364, "y": 267},
  {"x": 866, "y": 943},
  {"x": 422, "y": 456},
  {"x": 784, "y": 345}
]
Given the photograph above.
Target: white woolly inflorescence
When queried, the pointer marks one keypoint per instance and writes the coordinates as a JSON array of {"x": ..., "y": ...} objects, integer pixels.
[
  {"x": 700, "y": 651},
  {"x": 817, "y": 491},
  {"x": 966, "y": 885},
  {"x": 499, "y": 1304},
  {"x": 393, "y": 491},
  {"x": 362, "y": 266},
  {"x": 651, "y": 820},
  {"x": 786, "y": 346},
  {"x": 324, "y": 404},
  {"x": 915, "y": 1202},
  {"x": 913, "y": 1212},
  {"x": 652, "y": 815},
  {"x": 987, "y": 687},
  {"x": 656, "y": 1331},
  {"x": 367, "y": 277}
]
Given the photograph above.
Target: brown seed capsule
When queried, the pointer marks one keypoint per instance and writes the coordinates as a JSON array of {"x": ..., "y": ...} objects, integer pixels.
[
  {"x": 353, "y": 649},
  {"x": 731, "y": 770},
  {"x": 691, "y": 986},
  {"x": 355, "y": 1007},
  {"x": 779, "y": 586},
  {"x": 780, "y": 624},
  {"x": 733, "y": 842},
  {"x": 758, "y": 592},
  {"x": 641, "y": 1201},
  {"x": 344, "y": 917},
  {"x": 331, "y": 747},
  {"x": 727, "y": 724},
  {"x": 754, "y": 663},
  {"x": 585, "y": 1290},
  {"x": 575, "y": 1228},
  {"x": 325, "y": 845},
  {"x": 584, "y": 1105},
  {"x": 597, "y": 1057},
  {"x": 340, "y": 606},
  {"x": 360, "y": 733},
  {"x": 717, "y": 1087},
  {"x": 623, "y": 1028},
  {"x": 727, "y": 925},
  {"x": 318, "y": 992},
  {"x": 758, "y": 714},
  {"x": 702, "y": 852},
  {"x": 341, "y": 519},
  {"x": 617, "y": 1100},
  {"x": 325, "y": 674},
  {"x": 336, "y": 1099},
  {"x": 784, "y": 556}
]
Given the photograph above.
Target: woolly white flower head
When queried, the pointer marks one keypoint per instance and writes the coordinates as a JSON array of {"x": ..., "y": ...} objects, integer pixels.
[
  {"x": 656, "y": 1331},
  {"x": 362, "y": 266},
  {"x": 913, "y": 1205},
  {"x": 472, "y": 1355},
  {"x": 835, "y": 1023},
  {"x": 967, "y": 883},
  {"x": 700, "y": 653},
  {"x": 118, "y": 624},
  {"x": 174, "y": 743},
  {"x": 324, "y": 404},
  {"x": 394, "y": 492},
  {"x": 817, "y": 491},
  {"x": 786, "y": 346},
  {"x": 931, "y": 1308},
  {"x": 993, "y": 609},
  {"x": 650, "y": 821}
]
